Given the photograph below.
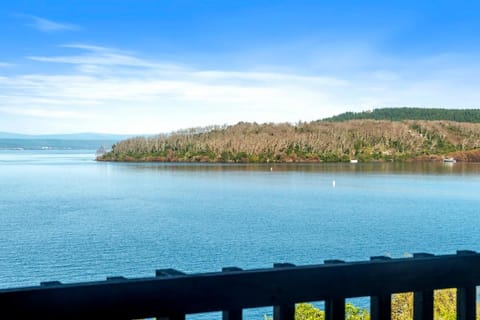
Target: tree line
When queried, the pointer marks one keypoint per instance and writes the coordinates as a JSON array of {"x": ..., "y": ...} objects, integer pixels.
[
  {"x": 317, "y": 141},
  {"x": 400, "y": 114}
]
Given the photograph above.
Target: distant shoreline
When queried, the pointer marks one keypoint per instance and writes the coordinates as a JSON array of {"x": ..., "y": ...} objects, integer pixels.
[
  {"x": 422, "y": 159},
  {"x": 313, "y": 142}
]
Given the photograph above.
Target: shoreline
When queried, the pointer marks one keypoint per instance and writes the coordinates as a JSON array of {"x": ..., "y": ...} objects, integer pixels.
[{"x": 412, "y": 160}]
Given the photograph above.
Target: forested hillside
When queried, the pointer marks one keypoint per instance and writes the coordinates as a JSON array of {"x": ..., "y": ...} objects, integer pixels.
[
  {"x": 322, "y": 141},
  {"x": 399, "y": 114}
]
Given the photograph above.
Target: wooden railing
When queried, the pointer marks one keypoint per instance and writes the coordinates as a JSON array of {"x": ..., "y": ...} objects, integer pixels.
[{"x": 173, "y": 294}]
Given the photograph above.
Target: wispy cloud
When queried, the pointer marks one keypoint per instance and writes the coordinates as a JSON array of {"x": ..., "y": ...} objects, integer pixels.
[
  {"x": 123, "y": 92},
  {"x": 46, "y": 25},
  {"x": 95, "y": 55},
  {"x": 47, "y": 113},
  {"x": 5, "y": 65},
  {"x": 130, "y": 94}
]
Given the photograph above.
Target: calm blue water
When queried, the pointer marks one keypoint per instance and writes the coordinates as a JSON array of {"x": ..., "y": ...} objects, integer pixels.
[{"x": 66, "y": 217}]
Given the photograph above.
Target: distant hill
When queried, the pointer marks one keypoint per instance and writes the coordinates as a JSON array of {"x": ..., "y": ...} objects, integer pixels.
[
  {"x": 54, "y": 144},
  {"x": 400, "y": 114},
  {"x": 78, "y": 141},
  {"x": 318, "y": 141}
]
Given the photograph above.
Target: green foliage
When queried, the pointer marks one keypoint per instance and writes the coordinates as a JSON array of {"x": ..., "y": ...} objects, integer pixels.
[
  {"x": 329, "y": 157},
  {"x": 226, "y": 156},
  {"x": 402, "y": 308},
  {"x": 241, "y": 157},
  {"x": 444, "y": 305},
  {"x": 355, "y": 313},
  {"x": 400, "y": 114},
  {"x": 306, "y": 311},
  {"x": 364, "y": 140}
]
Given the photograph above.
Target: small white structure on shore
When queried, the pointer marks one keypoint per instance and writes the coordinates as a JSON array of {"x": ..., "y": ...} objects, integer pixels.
[
  {"x": 449, "y": 160},
  {"x": 353, "y": 161}
]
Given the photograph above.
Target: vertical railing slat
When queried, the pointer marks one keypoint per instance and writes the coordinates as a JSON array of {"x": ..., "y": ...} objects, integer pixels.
[
  {"x": 423, "y": 305},
  {"x": 423, "y": 300},
  {"x": 232, "y": 314},
  {"x": 334, "y": 309},
  {"x": 381, "y": 307},
  {"x": 235, "y": 314},
  {"x": 166, "y": 273},
  {"x": 466, "y": 303},
  {"x": 284, "y": 312},
  {"x": 466, "y": 296}
]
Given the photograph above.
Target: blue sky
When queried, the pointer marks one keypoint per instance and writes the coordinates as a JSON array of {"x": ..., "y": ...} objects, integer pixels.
[{"x": 149, "y": 66}]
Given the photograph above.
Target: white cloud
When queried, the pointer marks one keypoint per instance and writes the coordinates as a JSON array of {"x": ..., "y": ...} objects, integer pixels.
[
  {"x": 101, "y": 56},
  {"x": 45, "y": 113},
  {"x": 109, "y": 90},
  {"x": 46, "y": 25}
]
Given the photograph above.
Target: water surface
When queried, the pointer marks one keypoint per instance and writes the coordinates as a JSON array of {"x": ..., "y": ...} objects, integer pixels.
[{"x": 66, "y": 217}]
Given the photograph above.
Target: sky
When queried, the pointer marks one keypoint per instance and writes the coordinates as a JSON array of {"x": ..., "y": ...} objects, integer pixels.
[{"x": 146, "y": 67}]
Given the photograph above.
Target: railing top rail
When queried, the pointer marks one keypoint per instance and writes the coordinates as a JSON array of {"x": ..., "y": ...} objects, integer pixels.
[{"x": 174, "y": 292}]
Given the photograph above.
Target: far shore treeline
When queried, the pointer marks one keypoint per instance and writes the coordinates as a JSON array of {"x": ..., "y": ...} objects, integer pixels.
[
  {"x": 400, "y": 134},
  {"x": 399, "y": 114}
]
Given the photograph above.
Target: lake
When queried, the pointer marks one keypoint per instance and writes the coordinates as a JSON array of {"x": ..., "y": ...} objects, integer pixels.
[{"x": 65, "y": 217}]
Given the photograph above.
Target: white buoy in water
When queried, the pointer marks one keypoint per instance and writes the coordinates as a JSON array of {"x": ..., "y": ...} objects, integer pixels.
[{"x": 333, "y": 183}]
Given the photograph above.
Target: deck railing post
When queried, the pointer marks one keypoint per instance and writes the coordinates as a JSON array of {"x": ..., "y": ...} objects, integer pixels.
[
  {"x": 284, "y": 311},
  {"x": 236, "y": 314},
  {"x": 466, "y": 303},
  {"x": 423, "y": 300},
  {"x": 423, "y": 305},
  {"x": 166, "y": 273},
  {"x": 334, "y": 308},
  {"x": 232, "y": 314},
  {"x": 466, "y": 296},
  {"x": 381, "y": 305}
]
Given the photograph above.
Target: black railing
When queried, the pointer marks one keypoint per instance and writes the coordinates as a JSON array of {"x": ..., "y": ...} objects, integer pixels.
[{"x": 173, "y": 294}]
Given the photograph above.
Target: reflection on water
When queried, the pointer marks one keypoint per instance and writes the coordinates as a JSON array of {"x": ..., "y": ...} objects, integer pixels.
[
  {"x": 373, "y": 168},
  {"x": 51, "y": 157}
]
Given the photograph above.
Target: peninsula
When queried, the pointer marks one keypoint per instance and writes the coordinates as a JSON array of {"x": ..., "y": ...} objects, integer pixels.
[{"x": 401, "y": 134}]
